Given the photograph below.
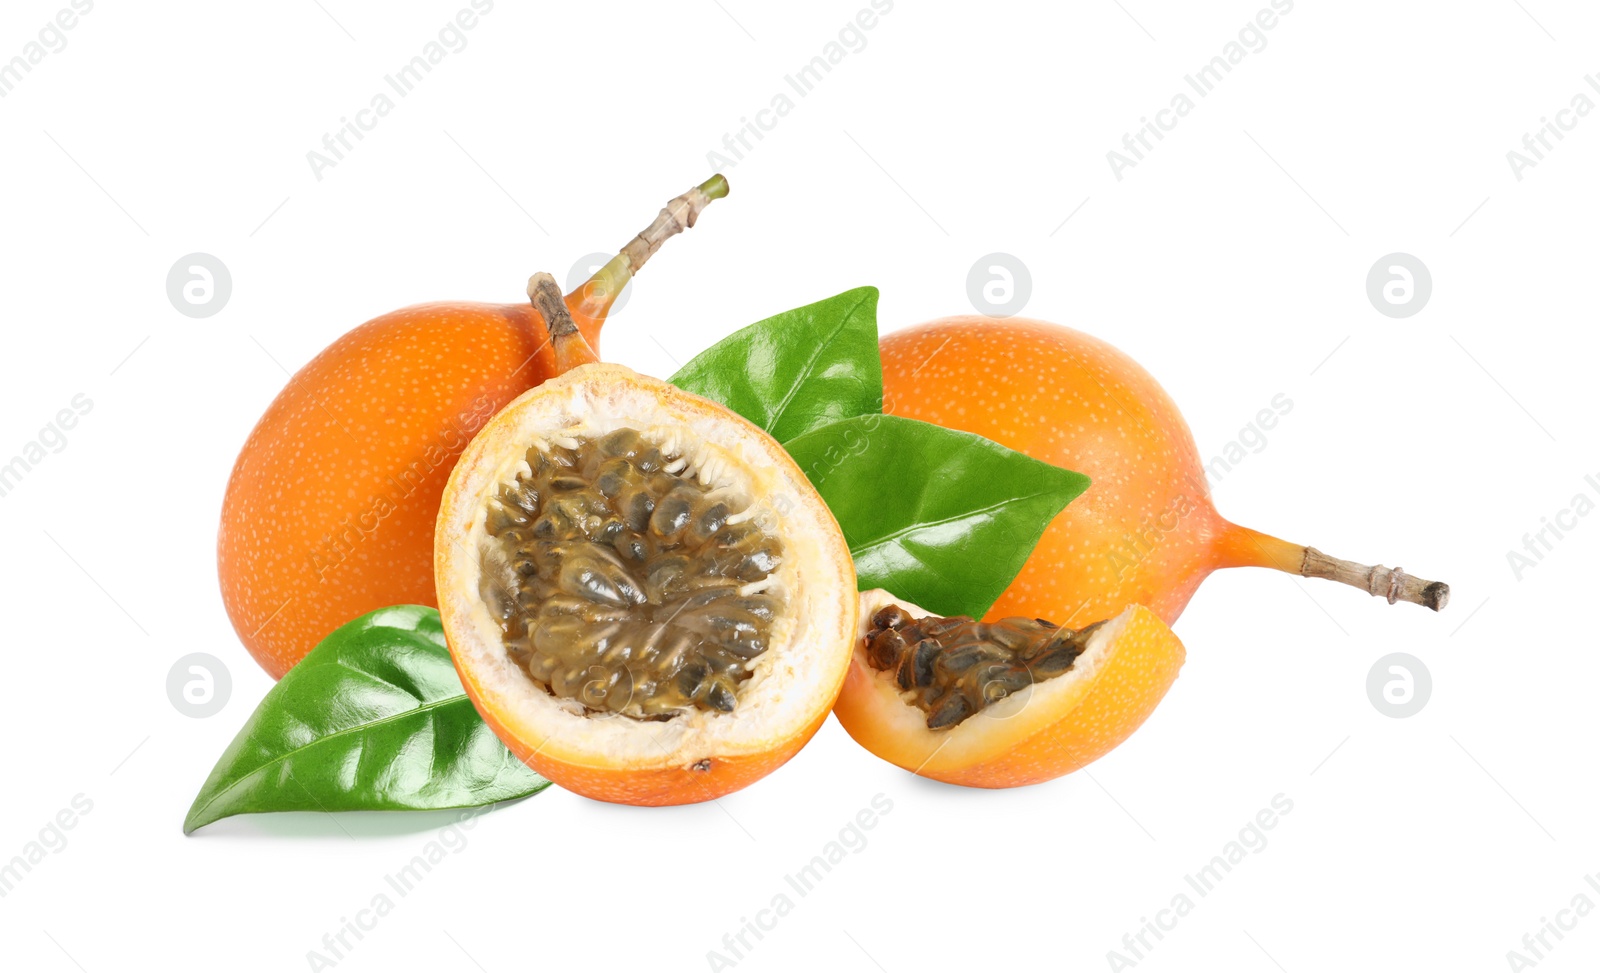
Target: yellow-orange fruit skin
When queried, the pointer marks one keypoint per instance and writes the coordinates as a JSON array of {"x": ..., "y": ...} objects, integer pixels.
[
  {"x": 330, "y": 509},
  {"x": 1145, "y": 531},
  {"x": 1122, "y": 698},
  {"x": 1084, "y": 726},
  {"x": 657, "y": 787}
]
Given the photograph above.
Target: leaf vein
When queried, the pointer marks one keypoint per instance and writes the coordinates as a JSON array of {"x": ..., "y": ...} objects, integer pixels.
[
  {"x": 256, "y": 772},
  {"x": 816, "y": 353},
  {"x": 889, "y": 538}
]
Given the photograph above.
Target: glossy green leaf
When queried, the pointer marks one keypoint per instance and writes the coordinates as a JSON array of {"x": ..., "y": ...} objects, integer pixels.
[
  {"x": 799, "y": 370},
  {"x": 373, "y": 719},
  {"x": 944, "y": 519}
]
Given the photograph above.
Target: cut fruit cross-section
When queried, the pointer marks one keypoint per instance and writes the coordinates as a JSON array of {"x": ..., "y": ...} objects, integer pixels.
[
  {"x": 1001, "y": 704},
  {"x": 644, "y": 596}
]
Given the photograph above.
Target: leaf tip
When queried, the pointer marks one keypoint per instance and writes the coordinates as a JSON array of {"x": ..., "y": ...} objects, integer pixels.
[{"x": 868, "y": 292}]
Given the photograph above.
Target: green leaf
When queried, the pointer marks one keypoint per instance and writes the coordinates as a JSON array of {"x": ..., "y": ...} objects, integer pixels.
[
  {"x": 944, "y": 519},
  {"x": 799, "y": 370},
  {"x": 373, "y": 719}
]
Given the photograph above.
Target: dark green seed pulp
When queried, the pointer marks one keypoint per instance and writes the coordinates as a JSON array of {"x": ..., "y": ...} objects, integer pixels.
[
  {"x": 954, "y": 667},
  {"x": 618, "y": 584}
]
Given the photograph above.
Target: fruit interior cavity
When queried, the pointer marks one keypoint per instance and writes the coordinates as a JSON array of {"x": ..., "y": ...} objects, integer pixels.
[
  {"x": 954, "y": 667},
  {"x": 623, "y": 582}
]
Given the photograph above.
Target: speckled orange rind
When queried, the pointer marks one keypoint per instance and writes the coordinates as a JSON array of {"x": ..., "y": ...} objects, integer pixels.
[
  {"x": 1145, "y": 532},
  {"x": 330, "y": 509}
]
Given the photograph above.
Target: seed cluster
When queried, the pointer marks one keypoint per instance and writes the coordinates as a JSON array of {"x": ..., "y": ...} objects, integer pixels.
[
  {"x": 622, "y": 582},
  {"x": 956, "y": 666}
]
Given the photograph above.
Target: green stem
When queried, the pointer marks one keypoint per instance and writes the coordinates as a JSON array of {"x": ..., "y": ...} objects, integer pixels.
[{"x": 595, "y": 296}]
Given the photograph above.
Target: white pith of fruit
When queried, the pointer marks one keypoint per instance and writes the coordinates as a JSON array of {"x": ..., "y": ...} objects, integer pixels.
[
  {"x": 901, "y": 727},
  {"x": 791, "y": 683}
]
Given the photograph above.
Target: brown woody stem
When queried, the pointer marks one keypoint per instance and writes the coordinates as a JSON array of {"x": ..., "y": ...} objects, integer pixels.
[
  {"x": 1243, "y": 547},
  {"x": 594, "y": 297},
  {"x": 570, "y": 346},
  {"x": 1377, "y": 580}
]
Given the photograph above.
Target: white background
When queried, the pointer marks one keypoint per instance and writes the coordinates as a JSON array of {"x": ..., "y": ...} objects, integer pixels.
[{"x": 1231, "y": 262}]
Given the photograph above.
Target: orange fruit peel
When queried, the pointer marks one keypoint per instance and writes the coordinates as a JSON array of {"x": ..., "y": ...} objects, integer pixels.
[
  {"x": 1145, "y": 532},
  {"x": 329, "y": 511}
]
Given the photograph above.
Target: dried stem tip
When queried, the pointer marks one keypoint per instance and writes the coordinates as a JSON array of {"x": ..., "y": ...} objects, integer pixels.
[
  {"x": 571, "y": 349},
  {"x": 547, "y": 299},
  {"x": 1377, "y": 580}
]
